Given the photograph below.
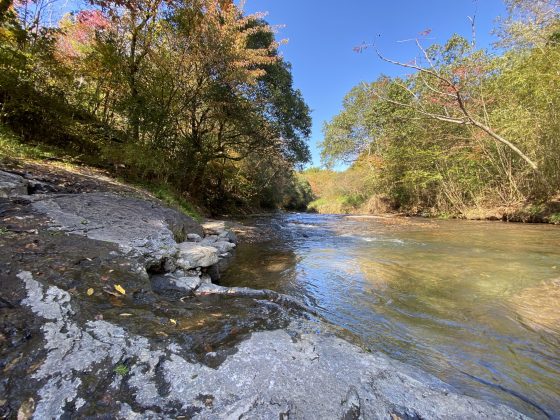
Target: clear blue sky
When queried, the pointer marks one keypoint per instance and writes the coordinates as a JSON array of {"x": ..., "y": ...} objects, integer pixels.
[{"x": 322, "y": 34}]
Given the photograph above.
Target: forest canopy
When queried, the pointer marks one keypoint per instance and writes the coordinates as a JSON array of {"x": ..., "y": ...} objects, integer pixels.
[
  {"x": 189, "y": 94},
  {"x": 466, "y": 128}
]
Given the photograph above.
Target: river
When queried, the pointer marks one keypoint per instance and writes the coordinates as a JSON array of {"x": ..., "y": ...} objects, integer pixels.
[{"x": 477, "y": 304}]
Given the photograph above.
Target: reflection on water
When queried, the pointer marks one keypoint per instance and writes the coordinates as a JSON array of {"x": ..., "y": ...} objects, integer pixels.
[{"x": 476, "y": 304}]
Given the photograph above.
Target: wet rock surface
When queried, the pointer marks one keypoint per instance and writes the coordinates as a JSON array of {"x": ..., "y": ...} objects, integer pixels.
[{"x": 99, "y": 319}]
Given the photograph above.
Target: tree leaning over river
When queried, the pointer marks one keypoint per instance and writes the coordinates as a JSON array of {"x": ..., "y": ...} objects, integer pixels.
[{"x": 467, "y": 128}]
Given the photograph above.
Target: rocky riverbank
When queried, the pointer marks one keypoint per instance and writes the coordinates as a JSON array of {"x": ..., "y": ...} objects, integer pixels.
[{"x": 109, "y": 307}]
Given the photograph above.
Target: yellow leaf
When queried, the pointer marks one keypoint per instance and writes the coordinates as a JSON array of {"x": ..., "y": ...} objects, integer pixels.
[
  {"x": 173, "y": 321},
  {"x": 120, "y": 289},
  {"x": 90, "y": 291}
]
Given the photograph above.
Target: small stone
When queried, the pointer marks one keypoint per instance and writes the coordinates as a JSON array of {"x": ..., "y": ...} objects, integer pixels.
[
  {"x": 223, "y": 246},
  {"x": 193, "y": 237},
  {"x": 193, "y": 255},
  {"x": 210, "y": 239}
]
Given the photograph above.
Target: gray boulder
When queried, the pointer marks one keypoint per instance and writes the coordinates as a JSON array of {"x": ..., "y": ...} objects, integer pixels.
[
  {"x": 192, "y": 254},
  {"x": 210, "y": 239},
  {"x": 228, "y": 236},
  {"x": 175, "y": 282},
  {"x": 193, "y": 237},
  {"x": 11, "y": 184}
]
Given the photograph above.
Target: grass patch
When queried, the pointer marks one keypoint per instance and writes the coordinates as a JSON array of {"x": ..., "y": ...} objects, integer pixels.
[
  {"x": 12, "y": 147},
  {"x": 121, "y": 369},
  {"x": 335, "y": 205},
  {"x": 172, "y": 198},
  {"x": 554, "y": 218}
]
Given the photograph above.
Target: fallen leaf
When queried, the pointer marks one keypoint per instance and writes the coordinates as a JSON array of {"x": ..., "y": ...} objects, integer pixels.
[
  {"x": 120, "y": 289},
  {"x": 172, "y": 321},
  {"x": 90, "y": 291}
]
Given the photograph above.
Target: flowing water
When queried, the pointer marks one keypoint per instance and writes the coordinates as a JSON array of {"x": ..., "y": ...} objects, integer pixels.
[{"x": 477, "y": 304}]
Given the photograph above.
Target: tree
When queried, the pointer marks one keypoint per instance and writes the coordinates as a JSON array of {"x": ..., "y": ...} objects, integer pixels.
[
  {"x": 530, "y": 24},
  {"x": 451, "y": 90}
]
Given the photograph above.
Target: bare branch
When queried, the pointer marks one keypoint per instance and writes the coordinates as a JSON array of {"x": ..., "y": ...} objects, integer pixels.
[
  {"x": 416, "y": 67},
  {"x": 468, "y": 119},
  {"x": 422, "y": 111}
]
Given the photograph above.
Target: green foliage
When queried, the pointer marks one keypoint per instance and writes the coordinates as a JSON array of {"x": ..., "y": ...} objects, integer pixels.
[
  {"x": 192, "y": 97},
  {"x": 535, "y": 209},
  {"x": 555, "y": 218},
  {"x": 340, "y": 192},
  {"x": 418, "y": 147},
  {"x": 298, "y": 194},
  {"x": 173, "y": 199},
  {"x": 121, "y": 369},
  {"x": 11, "y": 146}
]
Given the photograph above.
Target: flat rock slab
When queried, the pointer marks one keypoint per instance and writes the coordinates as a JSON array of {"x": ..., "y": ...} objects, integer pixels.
[
  {"x": 134, "y": 224},
  {"x": 291, "y": 373},
  {"x": 276, "y": 374}
]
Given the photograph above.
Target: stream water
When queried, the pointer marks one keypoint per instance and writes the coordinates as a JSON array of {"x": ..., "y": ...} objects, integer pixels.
[{"x": 477, "y": 304}]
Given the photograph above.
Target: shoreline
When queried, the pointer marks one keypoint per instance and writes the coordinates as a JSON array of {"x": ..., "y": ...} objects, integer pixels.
[
  {"x": 519, "y": 217},
  {"x": 108, "y": 300}
]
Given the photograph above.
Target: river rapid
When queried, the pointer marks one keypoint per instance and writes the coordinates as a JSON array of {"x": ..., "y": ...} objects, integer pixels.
[{"x": 477, "y": 304}]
